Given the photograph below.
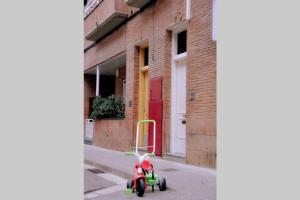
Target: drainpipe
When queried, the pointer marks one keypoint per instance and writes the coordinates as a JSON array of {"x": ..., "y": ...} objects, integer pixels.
[{"x": 188, "y": 9}]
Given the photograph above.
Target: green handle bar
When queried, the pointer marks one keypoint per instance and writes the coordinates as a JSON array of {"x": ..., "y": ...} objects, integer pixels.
[
  {"x": 130, "y": 153},
  {"x": 146, "y": 120}
]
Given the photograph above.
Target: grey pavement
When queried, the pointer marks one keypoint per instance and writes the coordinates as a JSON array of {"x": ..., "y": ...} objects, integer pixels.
[
  {"x": 93, "y": 182},
  {"x": 183, "y": 181}
]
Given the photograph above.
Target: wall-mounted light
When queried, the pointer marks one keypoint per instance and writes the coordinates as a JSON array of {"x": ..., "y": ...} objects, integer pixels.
[{"x": 191, "y": 95}]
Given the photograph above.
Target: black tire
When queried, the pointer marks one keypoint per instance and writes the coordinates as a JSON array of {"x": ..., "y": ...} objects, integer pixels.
[
  {"x": 140, "y": 189},
  {"x": 152, "y": 179},
  {"x": 129, "y": 184},
  {"x": 162, "y": 184}
]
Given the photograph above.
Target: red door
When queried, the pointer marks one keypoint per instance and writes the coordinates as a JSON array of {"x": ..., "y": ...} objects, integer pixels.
[{"x": 156, "y": 113}]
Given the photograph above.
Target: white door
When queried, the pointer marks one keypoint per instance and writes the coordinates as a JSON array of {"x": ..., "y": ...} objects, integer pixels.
[{"x": 179, "y": 108}]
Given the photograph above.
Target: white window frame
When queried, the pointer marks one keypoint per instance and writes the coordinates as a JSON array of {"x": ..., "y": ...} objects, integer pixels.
[
  {"x": 214, "y": 20},
  {"x": 175, "y": 33}
]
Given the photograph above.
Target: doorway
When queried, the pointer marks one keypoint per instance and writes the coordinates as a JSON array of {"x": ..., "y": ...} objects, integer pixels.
[
  {"x": 179, "y": 121},
  {"x": 178, "y": 93},
  {"x": 143, "y": 94}
]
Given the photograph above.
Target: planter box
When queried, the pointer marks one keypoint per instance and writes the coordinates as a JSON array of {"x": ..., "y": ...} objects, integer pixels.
[{"x": 113, "y": 134}]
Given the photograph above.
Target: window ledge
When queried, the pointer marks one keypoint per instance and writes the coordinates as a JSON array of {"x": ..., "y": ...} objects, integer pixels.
[{"x": 180, "y": 56}]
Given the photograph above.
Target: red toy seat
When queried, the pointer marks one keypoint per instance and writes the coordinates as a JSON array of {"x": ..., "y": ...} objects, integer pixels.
[{"x": 146, "y": 165}]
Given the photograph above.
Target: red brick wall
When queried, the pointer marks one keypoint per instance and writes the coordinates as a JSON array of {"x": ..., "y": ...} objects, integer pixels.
[
  {"x": 151, "y": 26},
  {"x": 201, "y": 79},
  {"x": 87, "y": 43},
  {"x": 113, "y": 134},
  {"x": 107, "y": 48},
  {"x": 119, "y": 82}
]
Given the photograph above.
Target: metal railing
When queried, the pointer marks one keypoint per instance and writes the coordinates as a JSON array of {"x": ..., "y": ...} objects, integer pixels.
[{"x": 91, "y": 7}]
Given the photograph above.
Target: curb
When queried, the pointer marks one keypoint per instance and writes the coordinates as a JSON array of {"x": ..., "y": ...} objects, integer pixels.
[{"x": 109, "y": 169}]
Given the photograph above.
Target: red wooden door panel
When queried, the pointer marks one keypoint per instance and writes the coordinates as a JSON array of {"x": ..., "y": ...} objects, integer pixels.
[
  {"x": 156, "y": 113},
  {"x": 155, "y": 110},
  {"x": 158, "y": 139},
  {"x": 156, "y": 89}
]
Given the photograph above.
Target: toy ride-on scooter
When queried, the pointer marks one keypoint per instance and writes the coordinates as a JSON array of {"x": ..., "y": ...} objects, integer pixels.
[{"x": 145, "y": 175}]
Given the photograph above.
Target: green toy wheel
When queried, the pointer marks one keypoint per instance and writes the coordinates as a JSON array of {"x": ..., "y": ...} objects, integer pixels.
[{"x": 129, "y": 184}]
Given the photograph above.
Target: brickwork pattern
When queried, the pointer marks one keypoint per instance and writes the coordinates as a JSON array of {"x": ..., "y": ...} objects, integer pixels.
[
  {"x": 107, "y": 48},
  {"x": 201, "y": 79},
  {"x": 119, "y": 82},
  {"x": 150, "y": 26},
  {"x": 113, "y": 134}
]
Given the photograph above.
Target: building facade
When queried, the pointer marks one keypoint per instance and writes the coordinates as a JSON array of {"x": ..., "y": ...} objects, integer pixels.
[{"x": 160, "y": 57}]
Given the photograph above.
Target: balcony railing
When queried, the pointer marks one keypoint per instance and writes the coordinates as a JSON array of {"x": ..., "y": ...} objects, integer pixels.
[{"x": 91, "y": 7}]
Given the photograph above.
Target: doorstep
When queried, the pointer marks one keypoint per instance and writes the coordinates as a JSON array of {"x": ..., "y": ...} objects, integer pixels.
[
  {"x": 88, "y": 141},
  {"x": 174, "y": 157}
]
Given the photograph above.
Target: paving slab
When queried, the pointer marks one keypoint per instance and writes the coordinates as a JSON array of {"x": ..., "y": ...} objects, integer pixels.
[
  {"x": 183, "y": 181},
  {"x": 93, "y": 182}
]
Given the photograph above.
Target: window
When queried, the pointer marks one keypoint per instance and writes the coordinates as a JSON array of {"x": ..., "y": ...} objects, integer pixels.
[
  {"x": 181, "y": 42},
  {"x": 146, "y": 56}
]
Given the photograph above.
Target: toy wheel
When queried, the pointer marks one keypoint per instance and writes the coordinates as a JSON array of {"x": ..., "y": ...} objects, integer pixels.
[
  {"x": 162, "y": 184},
  {"x": 140, "y": 188},
  {"x": 129, "y": 184}
]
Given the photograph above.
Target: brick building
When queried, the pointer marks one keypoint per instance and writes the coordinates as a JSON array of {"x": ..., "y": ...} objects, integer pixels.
[{"x": 160, "y": 56}]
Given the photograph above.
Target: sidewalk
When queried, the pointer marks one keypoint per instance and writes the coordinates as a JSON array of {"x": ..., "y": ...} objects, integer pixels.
[{"x": 188, "y": 182}]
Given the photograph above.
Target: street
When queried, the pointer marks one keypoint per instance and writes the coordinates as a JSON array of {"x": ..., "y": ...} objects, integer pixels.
[
  {"x": 107, "y": 171},
  {"x": 108, "y": 186}
]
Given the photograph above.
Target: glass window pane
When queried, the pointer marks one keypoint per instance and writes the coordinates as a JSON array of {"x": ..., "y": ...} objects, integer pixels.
[
  {"x": 146, "y": 56},
  {"x": 181, "y": 42}
]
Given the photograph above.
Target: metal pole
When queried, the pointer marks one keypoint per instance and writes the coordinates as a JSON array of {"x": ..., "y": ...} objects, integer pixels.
[
  {"x": 137, "y": 137},
  {"x": 97, "y": 81}
]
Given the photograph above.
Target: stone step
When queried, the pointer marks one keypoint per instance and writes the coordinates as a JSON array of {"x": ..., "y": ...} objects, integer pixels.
[{"x": 174, "y": 157}]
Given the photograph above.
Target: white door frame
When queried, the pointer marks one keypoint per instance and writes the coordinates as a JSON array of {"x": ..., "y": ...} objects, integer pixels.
[{"x": 174, "y": 59}]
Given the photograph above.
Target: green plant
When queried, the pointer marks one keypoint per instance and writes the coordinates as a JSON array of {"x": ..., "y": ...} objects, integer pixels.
[{"x": 110, "y": 107}]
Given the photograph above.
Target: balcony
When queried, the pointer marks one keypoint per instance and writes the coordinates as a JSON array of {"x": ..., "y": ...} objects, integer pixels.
[
  {"x": 102, "y": 17},
  {"x": 137, "y": 3}
]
